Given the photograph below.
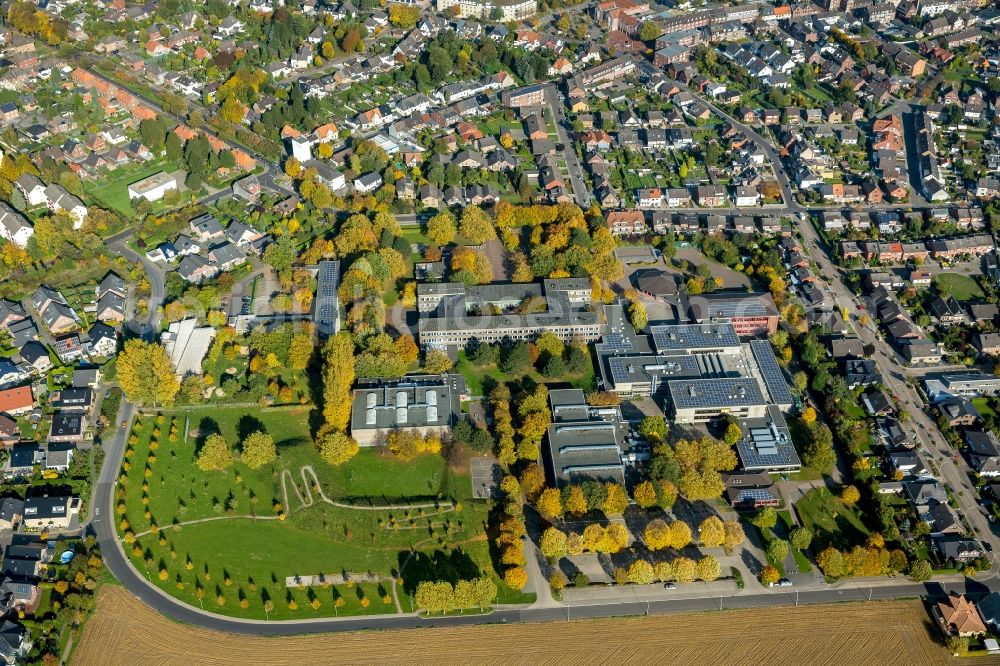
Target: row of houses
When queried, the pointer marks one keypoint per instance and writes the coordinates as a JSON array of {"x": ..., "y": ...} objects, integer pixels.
[
  {"x": 907, "y": 337},
  {"x": 893, "y": 222},
  {"x": 54, "y": 196},
  {"x": 975, "y": 245},
  {"x": 640, "y": 222}
]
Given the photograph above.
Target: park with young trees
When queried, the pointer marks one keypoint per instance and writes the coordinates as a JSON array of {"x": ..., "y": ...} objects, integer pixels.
[{"x": 223, "y": 504}]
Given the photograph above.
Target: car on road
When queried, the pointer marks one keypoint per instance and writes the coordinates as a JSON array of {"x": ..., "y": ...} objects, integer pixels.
[{"x": 670, "y": 586}]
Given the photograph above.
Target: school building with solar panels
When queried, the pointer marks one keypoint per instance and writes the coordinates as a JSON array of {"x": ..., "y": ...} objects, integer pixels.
[{"x": 700, "y": 372}]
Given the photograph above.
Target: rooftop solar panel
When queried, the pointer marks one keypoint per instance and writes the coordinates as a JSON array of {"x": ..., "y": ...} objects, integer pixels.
[
  {"x": 730, "y": 391},
  {"x": 771, "y": 372},
  {"x": 694, "y": 336},
  {"x": 767, "y": 444},
  {"x": 616, "y": 342},
  {"x": 755, "y": 494}
]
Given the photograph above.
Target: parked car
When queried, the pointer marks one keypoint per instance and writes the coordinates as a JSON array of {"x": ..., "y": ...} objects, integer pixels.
[
  {"x": 784, "y": 582},
  {"x": 670, "y": 586}
]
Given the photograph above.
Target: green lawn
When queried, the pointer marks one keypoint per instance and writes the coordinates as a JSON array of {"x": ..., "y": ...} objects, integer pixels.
[
  {"x": 983, "y": 406},
  {"x": 247, "y": 542},
  {"x": 832, "y": 522},
  {"x": 962, "y": 287},
  {"x": 477, "y": 376},
  {"x": 801, "y": 561},
  {"x": 112, "y": 190},
  {"x": 416, "y": 236},
  {"x": 373, "y": 474}
]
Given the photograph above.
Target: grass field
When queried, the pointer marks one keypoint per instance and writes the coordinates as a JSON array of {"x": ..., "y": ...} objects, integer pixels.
[
  {"x": 243, "y": 549},
  {"x": 477, "y": 377},
  {"x": 983, "y": 406},
  {"x": 962, "y": 287},
  {"x": 832, "y": 522},
  {"x": 123, "y": 632},
  {"x": 112, "y": 191}
]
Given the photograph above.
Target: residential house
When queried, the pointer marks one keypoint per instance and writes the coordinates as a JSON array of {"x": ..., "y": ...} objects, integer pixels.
[
  {"x": 195, "y": 269},
  {"x": 226, "y": 256},
  {"x": 206, "y": 227},
  {"x": 50, "y": 512},
  {"x": 957, "y": 616},
  {"x": 984, "y": 452},
  {"x": 16, "y": 401},
  {"x": 68, "y": 427},
  {"x": 111, "y": 301},
  {"x": 58, "y": 316},
  {"x": 14, "y": 227},
  {"x": 103, "y": 341}
]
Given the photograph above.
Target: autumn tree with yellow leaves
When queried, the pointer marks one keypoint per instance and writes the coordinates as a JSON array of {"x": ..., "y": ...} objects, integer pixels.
[{"x": 146, "y": 374}]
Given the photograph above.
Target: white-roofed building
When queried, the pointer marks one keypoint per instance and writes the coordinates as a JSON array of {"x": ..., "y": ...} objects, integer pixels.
[{"x": 186, "y": 343}]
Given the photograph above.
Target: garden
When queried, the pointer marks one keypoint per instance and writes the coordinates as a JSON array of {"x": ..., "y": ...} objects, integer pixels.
[{"x": 294, "y": 538}]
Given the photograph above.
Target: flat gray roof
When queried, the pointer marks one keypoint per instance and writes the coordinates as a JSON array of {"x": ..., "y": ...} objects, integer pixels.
[
  {"x": 586, "y": 450},
  {"x": 408, "y": 402},
  {"x": 767, "y": 443}
]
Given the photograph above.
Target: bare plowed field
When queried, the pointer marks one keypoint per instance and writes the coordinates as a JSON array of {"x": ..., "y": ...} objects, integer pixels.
[{"x": 124, "y": 631}]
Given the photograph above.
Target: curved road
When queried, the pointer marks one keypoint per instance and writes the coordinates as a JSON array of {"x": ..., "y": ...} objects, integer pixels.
[
  {"x": 627, "y": 601},
  {"x": 157, "y": 283}
]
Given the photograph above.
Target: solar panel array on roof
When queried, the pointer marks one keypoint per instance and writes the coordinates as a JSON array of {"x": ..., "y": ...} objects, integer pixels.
[
  {"x": 615, "y": 342},
  {"x": 626, "y": 369},
  {"x": 326, "y": 296},
  {"x": 694, "y": 336},
  {"x": 754, "y": 494},
  {"x": 774, "y": 379},
  {"x": 767, "y": 444},
  {"x": 724, "y": 392},
  {"x": 736, "y": 307}
]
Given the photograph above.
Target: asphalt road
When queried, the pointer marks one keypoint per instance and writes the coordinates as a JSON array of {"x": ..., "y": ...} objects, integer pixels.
[
  {"x": 580, "y": 192},
  {"x": 897, "y": 378},
  {"x": 156, "y": 277}
]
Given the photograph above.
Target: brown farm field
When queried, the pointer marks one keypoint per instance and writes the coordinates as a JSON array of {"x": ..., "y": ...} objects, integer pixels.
[{"x": 124, "y": 631}]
